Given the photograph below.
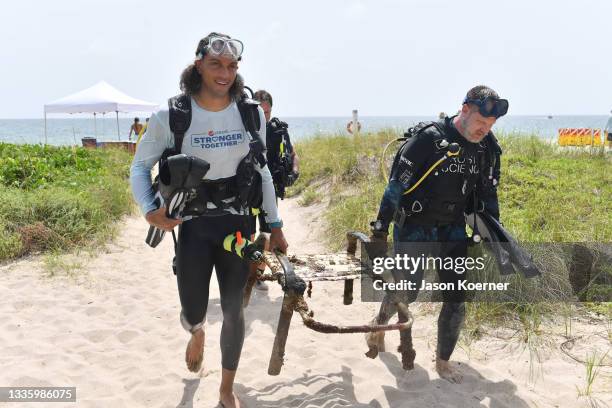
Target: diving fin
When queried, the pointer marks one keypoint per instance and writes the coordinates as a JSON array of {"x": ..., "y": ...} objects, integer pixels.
[
  {"x": 491, "y": 241},
  {"x": 520, "y": 258},
  {"x": 177, "y": 176},
  {"x": 154, "y": 236},
  {"x": 177, "y": 200},
  {"x": 181, "y": 172}
]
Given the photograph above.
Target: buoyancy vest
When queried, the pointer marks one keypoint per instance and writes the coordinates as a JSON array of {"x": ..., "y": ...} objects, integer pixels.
[
  {"x": 441, "y": 198},
  {"x": 242, "y": 191}
]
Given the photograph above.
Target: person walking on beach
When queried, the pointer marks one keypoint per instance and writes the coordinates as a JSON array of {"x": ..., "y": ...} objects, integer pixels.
[
  {"x": 283, "y": 163},
  {"x": 282, "y": 158},
  {"x": 213, "y": 92},
  {"x": 426, "y": 202},
  {"x": 143, "y": 130},
  {"x": 136, "y": 128}
]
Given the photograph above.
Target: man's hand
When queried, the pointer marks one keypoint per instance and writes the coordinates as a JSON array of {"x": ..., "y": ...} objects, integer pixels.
[
  {"x": 379, "y": 232},
  {"x": 277, "y": 240},
  {"x": 292, "y": 178},
  {"x": 378, "y": 238},
  {"x": 158, "y": 219}
]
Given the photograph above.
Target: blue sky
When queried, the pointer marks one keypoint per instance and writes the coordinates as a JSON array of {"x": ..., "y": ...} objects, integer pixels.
[{"x": 319, "y": 58}]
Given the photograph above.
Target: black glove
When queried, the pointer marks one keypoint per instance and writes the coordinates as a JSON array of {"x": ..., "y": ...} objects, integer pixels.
[
  {"x": 378, "y": 231},
  {"x": 378, "y": 246},
  {"x": 292, "y": 178},
  {"x": 378, "y": 236}
]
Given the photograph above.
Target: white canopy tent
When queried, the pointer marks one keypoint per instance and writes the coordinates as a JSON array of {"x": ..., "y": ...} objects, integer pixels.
[{"x": 100, "y": 98}]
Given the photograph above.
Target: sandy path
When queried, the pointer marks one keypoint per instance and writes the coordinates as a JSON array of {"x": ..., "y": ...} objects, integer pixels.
[{"x": 113, "y": 332}]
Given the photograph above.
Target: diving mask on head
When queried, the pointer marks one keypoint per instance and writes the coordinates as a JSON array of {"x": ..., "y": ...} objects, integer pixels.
[
  {"x": 490, "y": 107},
  {"x": 222, "y": 46}
]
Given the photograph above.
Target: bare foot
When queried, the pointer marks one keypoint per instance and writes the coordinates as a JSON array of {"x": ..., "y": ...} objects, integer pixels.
[
  {"x": 446, "y": 371},
  {"x": 229, "y": 400},
  {"x": 194, "y": 355}
]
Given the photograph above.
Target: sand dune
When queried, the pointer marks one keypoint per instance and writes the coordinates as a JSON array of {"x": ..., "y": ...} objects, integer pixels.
[{"x": 111, "y": 329}]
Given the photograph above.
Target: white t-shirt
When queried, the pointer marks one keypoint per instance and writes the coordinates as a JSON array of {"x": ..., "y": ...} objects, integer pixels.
[{"x": 217, "y": 137}]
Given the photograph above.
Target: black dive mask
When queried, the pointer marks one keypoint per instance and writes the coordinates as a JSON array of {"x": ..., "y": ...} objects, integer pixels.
[{"x": 490, "y": 107}]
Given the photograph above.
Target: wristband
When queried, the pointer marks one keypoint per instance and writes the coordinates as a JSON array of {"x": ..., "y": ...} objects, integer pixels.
[{"x": 276, "y": 224}]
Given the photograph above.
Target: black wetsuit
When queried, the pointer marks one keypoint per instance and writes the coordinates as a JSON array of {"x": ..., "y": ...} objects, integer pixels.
[
  {"x": 434, "y": 215},
  {"x": 199, "y": 249}
]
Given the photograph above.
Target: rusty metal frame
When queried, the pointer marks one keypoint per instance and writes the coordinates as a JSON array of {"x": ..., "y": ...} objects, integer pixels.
[{"x": 293, "y": 301}]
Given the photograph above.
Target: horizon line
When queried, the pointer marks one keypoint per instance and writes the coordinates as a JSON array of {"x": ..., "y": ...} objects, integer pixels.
[{"x": 328, "y": 116}]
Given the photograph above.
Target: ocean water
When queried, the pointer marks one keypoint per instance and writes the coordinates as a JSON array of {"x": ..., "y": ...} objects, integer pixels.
[{"x": 70, "y": 131}]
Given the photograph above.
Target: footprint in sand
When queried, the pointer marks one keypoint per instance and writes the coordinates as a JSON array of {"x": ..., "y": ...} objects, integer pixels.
[
  {"x": 94, "y": 311},
  {"x": 12, "y": 327},
  {"x": 26, "y": 381},
  {"x": 21, "y": 305},
  {"x": 306, "y": 352},
  {"x": 19, "y": 284},
  {"x": 128, "y": 309},
  {"x": 97, "y": 336},
  {"x": 127, "y": 335},
  {"x": 155, "y": 395}
]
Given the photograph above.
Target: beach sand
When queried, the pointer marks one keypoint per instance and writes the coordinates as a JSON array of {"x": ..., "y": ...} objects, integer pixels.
[{"x": 111, "y": 328}]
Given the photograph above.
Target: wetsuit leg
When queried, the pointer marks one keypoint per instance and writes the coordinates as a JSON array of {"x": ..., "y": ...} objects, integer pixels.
[
  {"x": 200, "y": 247},
  {"x": 402, "y": 239},
  {"x": 450, "y": 320},
  {"x": 194, "y": 265},
  {"x": 232, "y": 272}
]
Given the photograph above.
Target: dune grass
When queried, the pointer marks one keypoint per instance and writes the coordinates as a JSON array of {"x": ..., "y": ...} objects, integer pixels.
[
  {"x": 547, "y": 195},
  {"x": 57, "y": 198}
]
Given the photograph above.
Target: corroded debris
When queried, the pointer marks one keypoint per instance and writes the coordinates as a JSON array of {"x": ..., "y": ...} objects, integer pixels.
[
  {"x": 324, "y": 267},
  {"x": 285, "y": 270}
]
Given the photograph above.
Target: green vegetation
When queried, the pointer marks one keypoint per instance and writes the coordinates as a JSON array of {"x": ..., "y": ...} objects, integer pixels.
[
  {"x": 349, "y": 170},
  {"x": 57, "y": 198},
  {"x": 592, "y": 365},
  {"x": 547, "y": 194},
  {"x": 309, "y": 196}
]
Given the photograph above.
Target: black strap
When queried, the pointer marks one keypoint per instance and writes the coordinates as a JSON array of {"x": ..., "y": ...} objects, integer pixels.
[
  {"x": 180, "y": 118},
  {"x": 412, "y": 132},
  {"x": 250, "y": 119},
  {"x": 249, "y": 114}
]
